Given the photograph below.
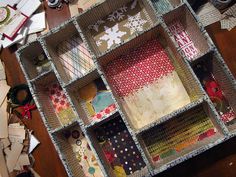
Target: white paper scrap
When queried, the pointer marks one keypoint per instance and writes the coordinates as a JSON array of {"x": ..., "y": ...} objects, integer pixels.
[
  {"x": 34, "y": 142},
  {"x": 208, "y": 14},
  {"x": 7, "y": 42},
  {"x": 231, "y": 11},
  {"x": 36, "y": 23},
  {"x": 228, "y": 23},
  {"x": 2, "y": 72},
  {"x": 28, "y": 7},
  {"x": 4, "y": 88}
]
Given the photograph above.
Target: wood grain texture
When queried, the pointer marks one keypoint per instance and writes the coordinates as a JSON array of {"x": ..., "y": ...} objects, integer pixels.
[{"x": 217, "y": 162}]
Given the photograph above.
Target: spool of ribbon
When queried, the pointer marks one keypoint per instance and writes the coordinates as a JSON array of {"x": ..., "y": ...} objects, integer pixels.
[
  {"x": 55, "y": 3},
  {"x": 221, "y": 4}
]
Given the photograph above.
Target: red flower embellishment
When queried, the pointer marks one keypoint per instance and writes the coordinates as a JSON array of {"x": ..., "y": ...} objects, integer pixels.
[{"x": 214, "y": 90}]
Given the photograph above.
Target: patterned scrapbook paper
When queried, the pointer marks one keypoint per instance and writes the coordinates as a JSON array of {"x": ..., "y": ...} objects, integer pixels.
[
  {"x": 140, "y": 67},
  {"x": 147, "y": 84},
  {"x": 183, "y": 39},
  {"x": 96, "y": 101},
  {"x": 119, "y": 148},
  {"x": 119, "y": 26},
  {"x": 83, "y": 153},
  {"x": 60, "y": 104},
  {"x": 74, "y": 57},
  {"x": 178, "y": 134}
]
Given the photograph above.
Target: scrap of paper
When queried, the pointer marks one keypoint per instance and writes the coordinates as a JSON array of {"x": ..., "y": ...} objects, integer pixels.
[
  {"x": 2, "y": 72},
  {"x": 208, "y": 14},
  {"x": 34, "y": 142},
  {"x": 228, "y": 23},
  {"x": 231, "y": 11}
]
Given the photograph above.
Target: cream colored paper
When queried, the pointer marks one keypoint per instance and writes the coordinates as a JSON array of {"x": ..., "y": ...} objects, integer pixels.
[
  {"x": 155, "y": 100},
  {"x": 23, "y": 160},
  {"x": 3, "y": 167},
  {"x": 3, "y": 124},
  {"x": 208, "y": 14},
  {"x": 2, "y": 72},
  {"x": 4, "y": 88},
  {"x": 13, "y": 155}
]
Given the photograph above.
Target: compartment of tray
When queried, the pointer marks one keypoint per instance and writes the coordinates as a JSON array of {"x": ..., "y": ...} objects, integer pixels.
[
  {"x": 219, "y": 86},
  {"x": 116, "y": 148},
  {"x": 186, "y": 32},
  {"x": 53, "y": 101},
  {"x": 192, "y": 130},
  {"x": 34, "y": 60},
  {"x": 113, "y": 22},
  {"x": 164, "y": 6},
  {"x": 91, "y": 98},
  {"x": 149, "y": 78},
  {"x": 77, "y": 153},
  {"x": 68, "y": 52}
]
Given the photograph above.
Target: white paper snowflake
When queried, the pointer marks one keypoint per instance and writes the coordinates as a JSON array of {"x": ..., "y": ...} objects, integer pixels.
[
  {"x": 135, "y": 23},
  {"x": 98, "y": 43},
  {"x": 96, "y": 25},
  {"x": 118, "y": 14},
  {"x": 112, "y": 36}
]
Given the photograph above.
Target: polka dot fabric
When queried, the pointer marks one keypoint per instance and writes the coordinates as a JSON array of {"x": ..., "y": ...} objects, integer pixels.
[
  {"x": 120, "y": 144},
  {"x": 58, "y": 98},
  {"x": 140, "y": 67}
]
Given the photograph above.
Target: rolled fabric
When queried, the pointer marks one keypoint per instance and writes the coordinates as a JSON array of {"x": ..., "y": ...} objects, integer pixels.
[{"x": 221, "y": 4}]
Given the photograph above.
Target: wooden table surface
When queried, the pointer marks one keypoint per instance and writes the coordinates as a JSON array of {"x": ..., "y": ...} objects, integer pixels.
[{"x": 219, "y": 161}]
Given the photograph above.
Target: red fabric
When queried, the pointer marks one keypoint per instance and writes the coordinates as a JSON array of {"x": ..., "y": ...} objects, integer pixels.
[{"x": 140, "y": 67}]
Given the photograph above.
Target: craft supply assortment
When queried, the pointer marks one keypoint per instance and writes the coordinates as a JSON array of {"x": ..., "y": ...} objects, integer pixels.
[{"x": 130, "y": 88}]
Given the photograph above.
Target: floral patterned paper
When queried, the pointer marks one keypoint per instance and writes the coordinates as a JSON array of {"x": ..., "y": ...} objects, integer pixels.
[{"x": 60, "y": 104}]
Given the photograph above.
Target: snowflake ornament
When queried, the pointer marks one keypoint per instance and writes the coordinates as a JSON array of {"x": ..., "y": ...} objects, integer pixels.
[
  {"x": 118, "y": 14},
  {"x": 135, "y": 23},
  {"x": 112, "y": 36},
  {"x": 96, "y": 25},
  {"x": 99, "y": 43}
]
